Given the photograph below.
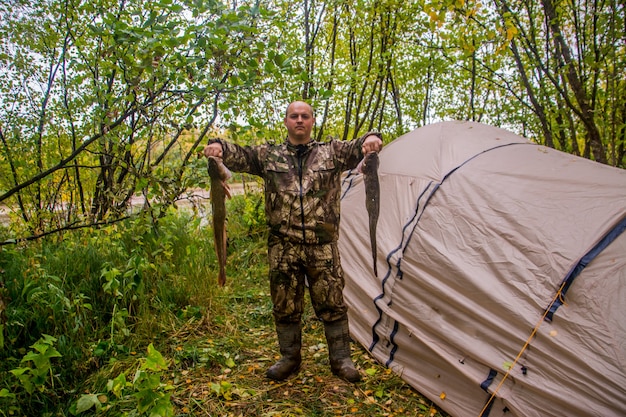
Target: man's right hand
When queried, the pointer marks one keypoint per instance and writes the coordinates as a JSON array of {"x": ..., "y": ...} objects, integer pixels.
[{"x": 213, "y": 149}]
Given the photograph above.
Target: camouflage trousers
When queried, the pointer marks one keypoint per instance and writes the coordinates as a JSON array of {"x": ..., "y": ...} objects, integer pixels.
[{"x": 290, "y": 263}]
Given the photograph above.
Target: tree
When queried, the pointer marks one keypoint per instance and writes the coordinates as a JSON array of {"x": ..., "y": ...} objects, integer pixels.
[
  {"x": 104, "y": 100},
  {"x": 110, "y": 99}
]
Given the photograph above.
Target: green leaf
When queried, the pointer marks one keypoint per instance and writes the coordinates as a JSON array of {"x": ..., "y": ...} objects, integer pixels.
[
  {"x": 216, "y": 388},
  {"x": 5, "y": 393},
  {"x": 326, "y": 94},
  {"x": 19, "y": 371},
  {"x": 230, "y": 363},
  {"x": 145, "y": 399},
  {"x": 163, "y": 407},
  {"x": 154, "y": 360},
  {"x": 25, "y": 377},
  {"x": 371, "y": 371},
  {"x": 117, "y": 385},
  {"x": 269, "y": 67},
  {"x": 86, "y": 402},
  {"x": 226, "y": 390}
]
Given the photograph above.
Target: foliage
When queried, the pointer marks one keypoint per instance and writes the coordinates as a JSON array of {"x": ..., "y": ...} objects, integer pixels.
[
  {"x": 99, "y": 294},
  {"x": 107, "y": 103},
  {"x": 104, "y": 101},
  {"x": 549, "y": 70},
  {"x": 37, "y": 367},
  {"x": 149, "y": 395}
]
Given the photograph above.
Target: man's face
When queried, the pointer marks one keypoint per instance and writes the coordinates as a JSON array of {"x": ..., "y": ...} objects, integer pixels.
[{"x": 299, "y": 122}]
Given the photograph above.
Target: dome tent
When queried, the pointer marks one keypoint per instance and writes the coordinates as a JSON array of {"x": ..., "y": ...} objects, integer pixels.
[{"x": 501, "y": 287}]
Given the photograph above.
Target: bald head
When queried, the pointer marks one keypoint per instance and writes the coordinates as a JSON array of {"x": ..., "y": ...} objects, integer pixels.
[
  {"x": 299, "y": 121},
  {"x": 298, "y": 104}
]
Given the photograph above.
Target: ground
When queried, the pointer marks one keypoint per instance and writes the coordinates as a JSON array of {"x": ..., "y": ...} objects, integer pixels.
[{"x": 216, "y": 378}]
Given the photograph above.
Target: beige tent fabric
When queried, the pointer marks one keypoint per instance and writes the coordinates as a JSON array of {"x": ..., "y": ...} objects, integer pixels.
[{"x": 478, "y": 230}]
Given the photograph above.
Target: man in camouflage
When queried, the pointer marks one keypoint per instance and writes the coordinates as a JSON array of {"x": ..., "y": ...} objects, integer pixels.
[{"x": 302, "y": 198}]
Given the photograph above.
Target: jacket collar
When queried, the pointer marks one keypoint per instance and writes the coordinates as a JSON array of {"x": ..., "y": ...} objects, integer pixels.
[{"x": 301, "y": 149}]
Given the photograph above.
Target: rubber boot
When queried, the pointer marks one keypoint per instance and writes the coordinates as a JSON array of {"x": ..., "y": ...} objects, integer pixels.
[
  {"x": 290, "y": 342},
  {"x": 338, "y": 338}
]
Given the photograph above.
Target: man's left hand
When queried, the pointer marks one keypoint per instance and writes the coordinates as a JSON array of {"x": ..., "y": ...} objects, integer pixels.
[{"x": 372, "y": 143}]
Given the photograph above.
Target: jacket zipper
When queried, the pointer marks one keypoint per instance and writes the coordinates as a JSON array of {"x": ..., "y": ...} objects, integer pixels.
[{"x": 300, "y": 159}]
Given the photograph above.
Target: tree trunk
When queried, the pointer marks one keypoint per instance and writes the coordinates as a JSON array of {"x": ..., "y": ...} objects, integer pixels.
[{"x": 585, "y": 104}]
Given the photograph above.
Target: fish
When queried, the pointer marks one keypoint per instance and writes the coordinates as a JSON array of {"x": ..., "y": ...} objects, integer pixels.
[
  {"x": 220, "y": 191},
  {"x": 369, "y": 168}
]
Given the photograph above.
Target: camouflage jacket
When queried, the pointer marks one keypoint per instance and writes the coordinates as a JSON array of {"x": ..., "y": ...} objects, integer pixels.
[{"x": 302, "y": 184}]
